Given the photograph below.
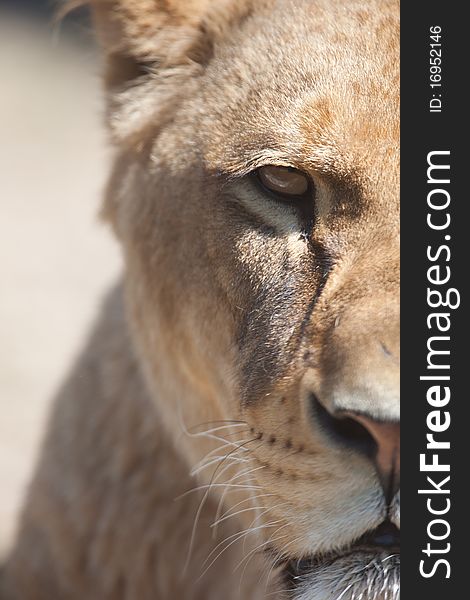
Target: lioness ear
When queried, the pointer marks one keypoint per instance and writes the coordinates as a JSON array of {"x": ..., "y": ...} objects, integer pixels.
[{"x": 143, "y": 35}]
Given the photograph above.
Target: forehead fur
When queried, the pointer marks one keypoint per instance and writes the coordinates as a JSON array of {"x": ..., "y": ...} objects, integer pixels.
[
  {"x": 328, "y": 86},
  {"x": 312, "y": 83}
]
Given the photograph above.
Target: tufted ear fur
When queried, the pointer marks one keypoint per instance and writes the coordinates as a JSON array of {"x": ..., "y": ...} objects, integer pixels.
[
  {"x": 152, "y": 48},
  {"x": 143, "y": 35}
]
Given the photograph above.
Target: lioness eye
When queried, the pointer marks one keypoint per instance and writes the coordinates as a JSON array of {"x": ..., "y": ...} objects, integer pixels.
[{"x": 283, "y": 181}]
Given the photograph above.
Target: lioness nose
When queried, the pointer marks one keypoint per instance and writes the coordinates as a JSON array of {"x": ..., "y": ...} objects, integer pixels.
[
  {"x": 380, "y": 440},
  {"x": 386, "y": 436}
]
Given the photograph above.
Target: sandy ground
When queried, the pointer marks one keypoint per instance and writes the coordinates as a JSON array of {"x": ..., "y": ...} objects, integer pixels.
[{"x": 56, "y": 259}]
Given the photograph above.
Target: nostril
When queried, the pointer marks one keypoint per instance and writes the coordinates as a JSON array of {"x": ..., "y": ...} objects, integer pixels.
[{"x": 346, "y": 430}]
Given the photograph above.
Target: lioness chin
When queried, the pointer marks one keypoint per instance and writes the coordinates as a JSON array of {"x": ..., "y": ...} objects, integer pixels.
[{"x": 232, "y": 429}]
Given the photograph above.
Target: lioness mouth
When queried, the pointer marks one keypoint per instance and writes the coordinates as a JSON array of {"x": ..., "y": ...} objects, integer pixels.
[{"x": 382, "y": 543}]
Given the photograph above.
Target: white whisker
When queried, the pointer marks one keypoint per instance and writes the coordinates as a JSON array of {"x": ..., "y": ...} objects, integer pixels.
[
  {"x": 215, "y": 460},
  {"x": 247, "y": 500},
  {"x": 239, "y": 536},
  {"x": 217, "y": 485},
  {"x": 270, "y": 540}
]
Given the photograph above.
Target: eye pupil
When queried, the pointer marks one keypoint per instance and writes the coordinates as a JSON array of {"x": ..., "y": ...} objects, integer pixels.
[{"x": 284, "y": 181}]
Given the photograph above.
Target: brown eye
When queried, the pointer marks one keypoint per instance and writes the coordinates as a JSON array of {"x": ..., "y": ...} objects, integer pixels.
[{"x": 283, "y": 181}]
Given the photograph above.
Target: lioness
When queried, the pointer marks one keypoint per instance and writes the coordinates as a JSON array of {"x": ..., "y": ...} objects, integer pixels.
[{"x": 232, "y": 429}]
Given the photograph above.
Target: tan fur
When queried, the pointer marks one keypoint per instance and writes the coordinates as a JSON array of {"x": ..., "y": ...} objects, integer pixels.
[{"x": 232, "y": 315}]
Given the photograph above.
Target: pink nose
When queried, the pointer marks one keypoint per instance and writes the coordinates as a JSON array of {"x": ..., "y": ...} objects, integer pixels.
[
  {"x": 387, "y": 454},
  {"x": 361, "y": 432}
]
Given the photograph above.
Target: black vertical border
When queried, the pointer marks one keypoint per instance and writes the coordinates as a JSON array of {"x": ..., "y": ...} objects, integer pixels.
[{"x": 423, "y": 132}]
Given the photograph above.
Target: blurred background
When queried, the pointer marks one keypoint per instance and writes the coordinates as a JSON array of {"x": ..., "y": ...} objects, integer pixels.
[{"x": 56, "y": 258}]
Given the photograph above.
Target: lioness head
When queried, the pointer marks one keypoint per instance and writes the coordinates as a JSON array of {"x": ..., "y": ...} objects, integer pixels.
[{"x": 256, "y": 195}]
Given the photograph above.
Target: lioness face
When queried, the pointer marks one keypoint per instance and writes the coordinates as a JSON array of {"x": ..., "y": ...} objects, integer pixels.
[{"x": 256, "y": 195}]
